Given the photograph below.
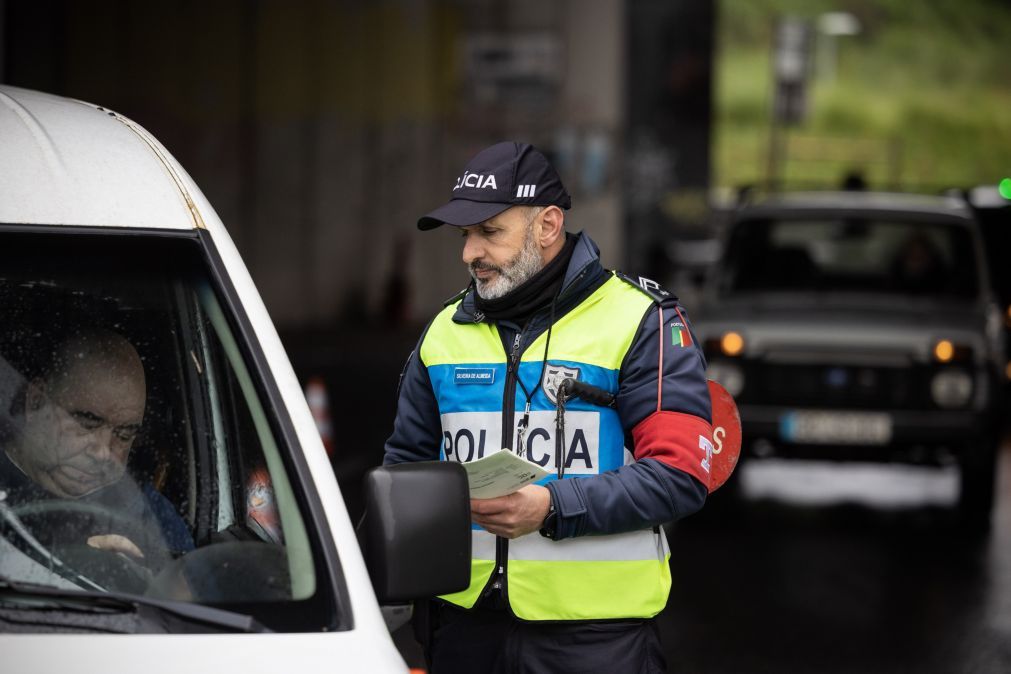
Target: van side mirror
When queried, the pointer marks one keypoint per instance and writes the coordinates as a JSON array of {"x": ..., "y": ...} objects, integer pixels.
[{"x": 415, "y": 533}]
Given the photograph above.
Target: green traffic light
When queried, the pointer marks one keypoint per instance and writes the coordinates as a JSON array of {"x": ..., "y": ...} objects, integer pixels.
[{"x": 1004, "y": 187}]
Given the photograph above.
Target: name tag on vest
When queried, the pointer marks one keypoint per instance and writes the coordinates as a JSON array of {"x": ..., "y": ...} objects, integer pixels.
[{"x": 474, "y": 375}]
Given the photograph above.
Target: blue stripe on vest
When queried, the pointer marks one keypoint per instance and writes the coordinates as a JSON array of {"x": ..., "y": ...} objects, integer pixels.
[{"x": 455, "y": 398}]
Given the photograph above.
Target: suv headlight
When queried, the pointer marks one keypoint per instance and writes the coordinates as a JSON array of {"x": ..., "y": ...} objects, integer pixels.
[
  {"x": 730, "y": 375},
  {"x": 951, "y": 388}
]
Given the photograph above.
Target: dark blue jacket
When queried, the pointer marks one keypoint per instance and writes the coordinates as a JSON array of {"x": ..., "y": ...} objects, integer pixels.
[{"x": 661, "y": 422}]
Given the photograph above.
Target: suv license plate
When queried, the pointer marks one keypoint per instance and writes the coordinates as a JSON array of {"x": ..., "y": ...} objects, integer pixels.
[{"x": 836, "y": 428}]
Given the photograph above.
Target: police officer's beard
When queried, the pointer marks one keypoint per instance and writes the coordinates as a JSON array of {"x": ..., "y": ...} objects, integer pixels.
[{"x": 514, "y": 273}]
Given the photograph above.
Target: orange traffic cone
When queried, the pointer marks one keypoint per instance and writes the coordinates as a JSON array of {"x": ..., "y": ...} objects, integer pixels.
[{"x": 319, "y": 405}]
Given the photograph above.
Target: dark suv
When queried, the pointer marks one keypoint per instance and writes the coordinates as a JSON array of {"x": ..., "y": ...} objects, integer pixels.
[{"x": 859, "y": 325}]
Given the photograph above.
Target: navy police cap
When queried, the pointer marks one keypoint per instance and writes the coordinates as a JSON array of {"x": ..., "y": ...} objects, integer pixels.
[{"x": 499, "y": 177}]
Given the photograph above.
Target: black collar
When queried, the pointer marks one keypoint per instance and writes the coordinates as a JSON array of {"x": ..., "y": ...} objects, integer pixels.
[{"x": 535, "y": 293}]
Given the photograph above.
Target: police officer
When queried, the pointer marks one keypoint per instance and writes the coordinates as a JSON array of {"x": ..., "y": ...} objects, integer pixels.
[{"x": 566, "y": 574}]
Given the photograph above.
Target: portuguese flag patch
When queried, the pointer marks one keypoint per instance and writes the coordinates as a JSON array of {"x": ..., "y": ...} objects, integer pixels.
[{"x": 679, "y": 335}]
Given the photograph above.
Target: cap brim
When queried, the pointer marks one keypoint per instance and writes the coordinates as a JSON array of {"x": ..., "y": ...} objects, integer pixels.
[{"x": 461, "y": 213}]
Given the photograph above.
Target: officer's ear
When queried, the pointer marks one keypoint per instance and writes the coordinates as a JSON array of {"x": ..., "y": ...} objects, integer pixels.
[{"x": 552, "y": 220}]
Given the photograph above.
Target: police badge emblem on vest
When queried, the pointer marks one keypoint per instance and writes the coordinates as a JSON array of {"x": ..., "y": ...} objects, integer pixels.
[{"x": 554, "y": 375}]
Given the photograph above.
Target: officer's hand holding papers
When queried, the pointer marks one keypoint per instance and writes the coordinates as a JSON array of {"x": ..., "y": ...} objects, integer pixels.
[{"x": 501, "y": 473}]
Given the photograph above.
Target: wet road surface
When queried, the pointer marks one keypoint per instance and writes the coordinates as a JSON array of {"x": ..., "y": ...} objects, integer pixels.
[{"x": 838, "y": 568}]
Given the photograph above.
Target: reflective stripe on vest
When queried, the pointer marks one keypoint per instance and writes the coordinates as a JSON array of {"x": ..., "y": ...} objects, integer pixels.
[{"x": 592, "y": 577}]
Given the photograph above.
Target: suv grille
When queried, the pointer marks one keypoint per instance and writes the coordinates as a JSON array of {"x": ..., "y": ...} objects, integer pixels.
[{"x": 842, "y": 386}]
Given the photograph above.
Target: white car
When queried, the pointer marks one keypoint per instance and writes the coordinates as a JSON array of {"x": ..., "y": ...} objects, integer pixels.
[{"x": 191, "y": 524}]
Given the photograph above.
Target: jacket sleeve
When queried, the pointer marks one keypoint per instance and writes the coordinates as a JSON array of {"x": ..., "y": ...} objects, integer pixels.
[
  {"x": 417, "y": 429},
  {"x": 663, "y": 403}
]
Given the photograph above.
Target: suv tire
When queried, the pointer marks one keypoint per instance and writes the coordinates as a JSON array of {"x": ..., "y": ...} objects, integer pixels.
[{"x": 976, "y": 484}]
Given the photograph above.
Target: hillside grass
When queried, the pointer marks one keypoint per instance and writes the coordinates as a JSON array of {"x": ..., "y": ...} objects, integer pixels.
[{"x": 921, "y": 98}]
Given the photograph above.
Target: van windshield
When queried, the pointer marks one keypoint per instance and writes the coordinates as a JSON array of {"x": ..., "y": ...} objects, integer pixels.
[{"x": 137, "y": 451}]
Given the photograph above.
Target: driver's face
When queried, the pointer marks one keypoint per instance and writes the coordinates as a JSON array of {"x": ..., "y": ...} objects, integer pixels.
[{"x": 79, "y": 428}]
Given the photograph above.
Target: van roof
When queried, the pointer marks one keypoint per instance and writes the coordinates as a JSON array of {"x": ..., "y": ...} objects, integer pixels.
[{"x": 66, "y": 162}]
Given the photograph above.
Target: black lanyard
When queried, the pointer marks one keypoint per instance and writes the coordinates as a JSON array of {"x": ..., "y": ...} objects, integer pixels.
[{"x": 524, "y": 423}]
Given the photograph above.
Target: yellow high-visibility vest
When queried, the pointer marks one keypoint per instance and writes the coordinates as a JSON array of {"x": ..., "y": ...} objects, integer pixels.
[{"x": 585, "y": 578}]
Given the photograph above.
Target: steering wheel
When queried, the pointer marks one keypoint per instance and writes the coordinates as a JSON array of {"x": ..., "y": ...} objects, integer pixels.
[
  {"x": 60, "y": 524},
  {"x": 231, "y": 571}
]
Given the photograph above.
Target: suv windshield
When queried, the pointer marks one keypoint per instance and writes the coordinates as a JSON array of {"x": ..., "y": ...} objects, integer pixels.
[
  {"x": 850, "y": 255},
  {"x": 136, "y": 452}
]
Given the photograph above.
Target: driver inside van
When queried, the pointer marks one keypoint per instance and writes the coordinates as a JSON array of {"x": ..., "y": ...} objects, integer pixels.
[{"x": 73, "y": 430}]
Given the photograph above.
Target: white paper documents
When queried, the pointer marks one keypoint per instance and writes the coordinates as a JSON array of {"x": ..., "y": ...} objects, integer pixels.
[{"x": 501, "y": 473}]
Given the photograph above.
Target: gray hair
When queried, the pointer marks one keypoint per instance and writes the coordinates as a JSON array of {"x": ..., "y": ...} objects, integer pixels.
[{"x": 531, "y": 212}]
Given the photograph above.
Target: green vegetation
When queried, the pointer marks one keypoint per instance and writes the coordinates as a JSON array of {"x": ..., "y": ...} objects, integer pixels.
[{"x": 920, "y": 98}]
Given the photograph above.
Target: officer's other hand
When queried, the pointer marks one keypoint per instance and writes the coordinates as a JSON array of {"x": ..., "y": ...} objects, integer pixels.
[{"x": 513, "y": 515}]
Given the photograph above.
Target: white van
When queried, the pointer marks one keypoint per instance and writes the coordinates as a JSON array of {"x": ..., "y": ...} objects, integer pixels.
[{"x": 192, "y": 523}]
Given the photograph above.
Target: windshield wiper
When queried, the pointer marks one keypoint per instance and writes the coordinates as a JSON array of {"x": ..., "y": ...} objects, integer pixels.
[
  {"x": 42, "y": 596},
  {"x": 54, "y": 563}
]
